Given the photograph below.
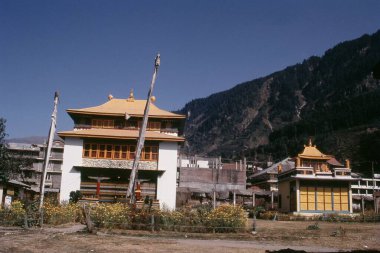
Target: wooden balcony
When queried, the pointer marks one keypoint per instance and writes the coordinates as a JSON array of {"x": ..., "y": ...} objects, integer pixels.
[{"x": 112, "y": 191}]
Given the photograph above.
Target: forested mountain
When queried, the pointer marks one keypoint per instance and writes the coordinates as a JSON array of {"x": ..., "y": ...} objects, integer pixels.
[{"x": 334, "y": 99}]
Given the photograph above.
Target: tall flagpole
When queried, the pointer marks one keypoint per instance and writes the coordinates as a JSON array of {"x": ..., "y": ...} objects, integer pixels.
[
  {"x": 140, "y": 142},
  {"x": 48, "y": 150}
]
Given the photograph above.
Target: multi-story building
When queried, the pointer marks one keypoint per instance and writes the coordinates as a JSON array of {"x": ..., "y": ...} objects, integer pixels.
[
  {"x": 100, "y": 150},
  {"x": 317, "y": 184},
  {"x": 31, "y": 175},
  {"x": 365, "y": 187}
]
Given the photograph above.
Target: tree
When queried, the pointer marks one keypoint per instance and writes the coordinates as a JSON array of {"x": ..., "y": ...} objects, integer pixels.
[
  {"x": 75, "y": 196},
  {"x": 4, "y": 157},
  {"x": 10, "y": 165}
]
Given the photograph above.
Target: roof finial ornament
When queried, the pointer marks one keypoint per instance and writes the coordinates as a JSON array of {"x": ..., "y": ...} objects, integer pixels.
[
  {"x": 110, "y": 97},
  {"x": 310, "y": 143},
  {"x": 131, "y": 96}
]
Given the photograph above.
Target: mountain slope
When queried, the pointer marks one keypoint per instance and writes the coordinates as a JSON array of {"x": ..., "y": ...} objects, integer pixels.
[{"x": 324, "y": 97}]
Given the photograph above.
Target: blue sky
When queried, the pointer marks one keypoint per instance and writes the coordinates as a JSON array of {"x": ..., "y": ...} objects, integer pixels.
[{"x": 87, "y": 49}]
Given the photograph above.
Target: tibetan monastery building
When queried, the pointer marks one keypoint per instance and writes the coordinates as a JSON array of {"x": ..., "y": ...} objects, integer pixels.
[
  {"x": 317, "y": 184},
  {"x": 99, "y": 152}
]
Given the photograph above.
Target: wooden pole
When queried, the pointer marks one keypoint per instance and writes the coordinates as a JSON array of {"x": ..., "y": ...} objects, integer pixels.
[
  {"x": 272, "y": 199},
  {"x": 373, "y": 188},
  {"x": 214, "y": 179},
  {"x": 48, "y": 151},
  {"x": 214, "y": 200},
  {"x": 140, "y": 143},
  {"x": 363, "y": 205}
]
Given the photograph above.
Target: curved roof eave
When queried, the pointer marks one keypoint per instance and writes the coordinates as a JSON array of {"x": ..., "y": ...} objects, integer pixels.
[{"x": 173, "y": 116}]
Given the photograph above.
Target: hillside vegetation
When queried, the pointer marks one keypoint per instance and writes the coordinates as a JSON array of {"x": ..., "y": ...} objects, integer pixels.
[{"x": 334, "y": 99}]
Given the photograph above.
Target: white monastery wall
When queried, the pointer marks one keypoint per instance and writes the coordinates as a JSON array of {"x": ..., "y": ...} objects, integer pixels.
[
  {"x": 166, "y": 183},
  {"x": 71, "y": 177}
]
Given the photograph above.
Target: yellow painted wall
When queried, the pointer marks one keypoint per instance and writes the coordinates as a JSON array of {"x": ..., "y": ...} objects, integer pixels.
[{"x": 324, "y": 198}]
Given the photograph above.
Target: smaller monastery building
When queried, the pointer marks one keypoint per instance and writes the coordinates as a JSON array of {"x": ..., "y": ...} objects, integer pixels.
[
  {"x": 317, "y": 184},
  {"x": 99, "y": 152}
]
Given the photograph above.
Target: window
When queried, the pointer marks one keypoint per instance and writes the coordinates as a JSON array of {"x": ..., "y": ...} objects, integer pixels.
[
  {"x": 307, "y": 200},
  {"x": 109, "y": 151},
  {"x": 152, "y": 125},
  {"x": 324, "y": 198},
  {"x": 102, "y": 151},
  {"x": 96, "y": 123},
  {"x": 131, "y": 124},
  {"x": 147, "y": 153},
  {"x": 86, "y": 150},
  {"x": 118, "y": 151},
  {"x": 108, "y": 123},
  {"x": 167, "y": 124},
  {"x": 103, "y": 123},
  {"x": 119, "y": 124},
  {"x": 340, "y": 198},
  {"x": 154, "y": 153},
  {"x": 150, "y": 153},
  {"x": 124, "y": 152},
  {"x": 94, "y": 150},
  {"x": 131, "y": 152}
]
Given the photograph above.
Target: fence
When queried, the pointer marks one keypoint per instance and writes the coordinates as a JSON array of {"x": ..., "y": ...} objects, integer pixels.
[{"x": 203, "y": 219}]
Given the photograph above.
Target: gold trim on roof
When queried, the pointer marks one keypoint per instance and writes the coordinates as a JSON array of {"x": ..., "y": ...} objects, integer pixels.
[
  {"x": 118, "y": 107},
  {"x": 311, "y": 152},
  {"x": 119, "y": 134},
  {"x": 131, "y": 96}
]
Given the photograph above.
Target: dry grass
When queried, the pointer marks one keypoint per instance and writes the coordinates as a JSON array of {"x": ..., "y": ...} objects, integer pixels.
[{"x": 271, "y": 235}]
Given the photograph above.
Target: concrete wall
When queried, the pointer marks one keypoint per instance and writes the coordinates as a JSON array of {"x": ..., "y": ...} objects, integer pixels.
[
  {"x": 199, "y": 163},
  {"x": 166, "y": 183},
  {"x": 205, "y": 178},
  {"x": 71, "y": 178}
]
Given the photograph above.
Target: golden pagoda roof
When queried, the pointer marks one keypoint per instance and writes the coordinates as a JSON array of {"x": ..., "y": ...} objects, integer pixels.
[
  {"x": 311, "y": 152},
  {"x": 120, "y": 134},
  {"x": 121, "y": 107}
]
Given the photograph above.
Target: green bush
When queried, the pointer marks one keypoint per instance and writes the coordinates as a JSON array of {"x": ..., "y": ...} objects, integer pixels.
[
  {"x": 75, "y": 196},
  {"x": 56, "y": 214},
  {"x": 227, "y": 218},
  {"x": 14, "y": 215},
  {"x": 268, "y": 215},
  {"x": 107, "y": 215}
]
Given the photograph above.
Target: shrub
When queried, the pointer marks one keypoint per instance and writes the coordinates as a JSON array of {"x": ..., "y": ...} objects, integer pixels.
[
  {"x": 171, "y": 220},
  {"x": 314, "y": 226},
  {"x": 107, "y": 215},
  {"x": 227, "y": 218},
  {"x": 268, "y": 215},
  {"x": 75, "y": 196},
  {"x": 142, "y": 218},
  {"x": 13, "y": 216},
  {"x": 61, "y": 213}
]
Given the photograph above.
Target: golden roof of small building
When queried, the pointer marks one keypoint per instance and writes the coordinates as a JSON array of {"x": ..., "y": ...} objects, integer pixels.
[
  {"x": 121, "y": 107},
  {"x": 311, "y": 152},
  {"x": 120, "y": 134}
]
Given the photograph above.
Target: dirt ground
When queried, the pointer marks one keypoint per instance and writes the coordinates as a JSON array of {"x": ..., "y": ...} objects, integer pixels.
[{"x": 271, "y": 235}]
